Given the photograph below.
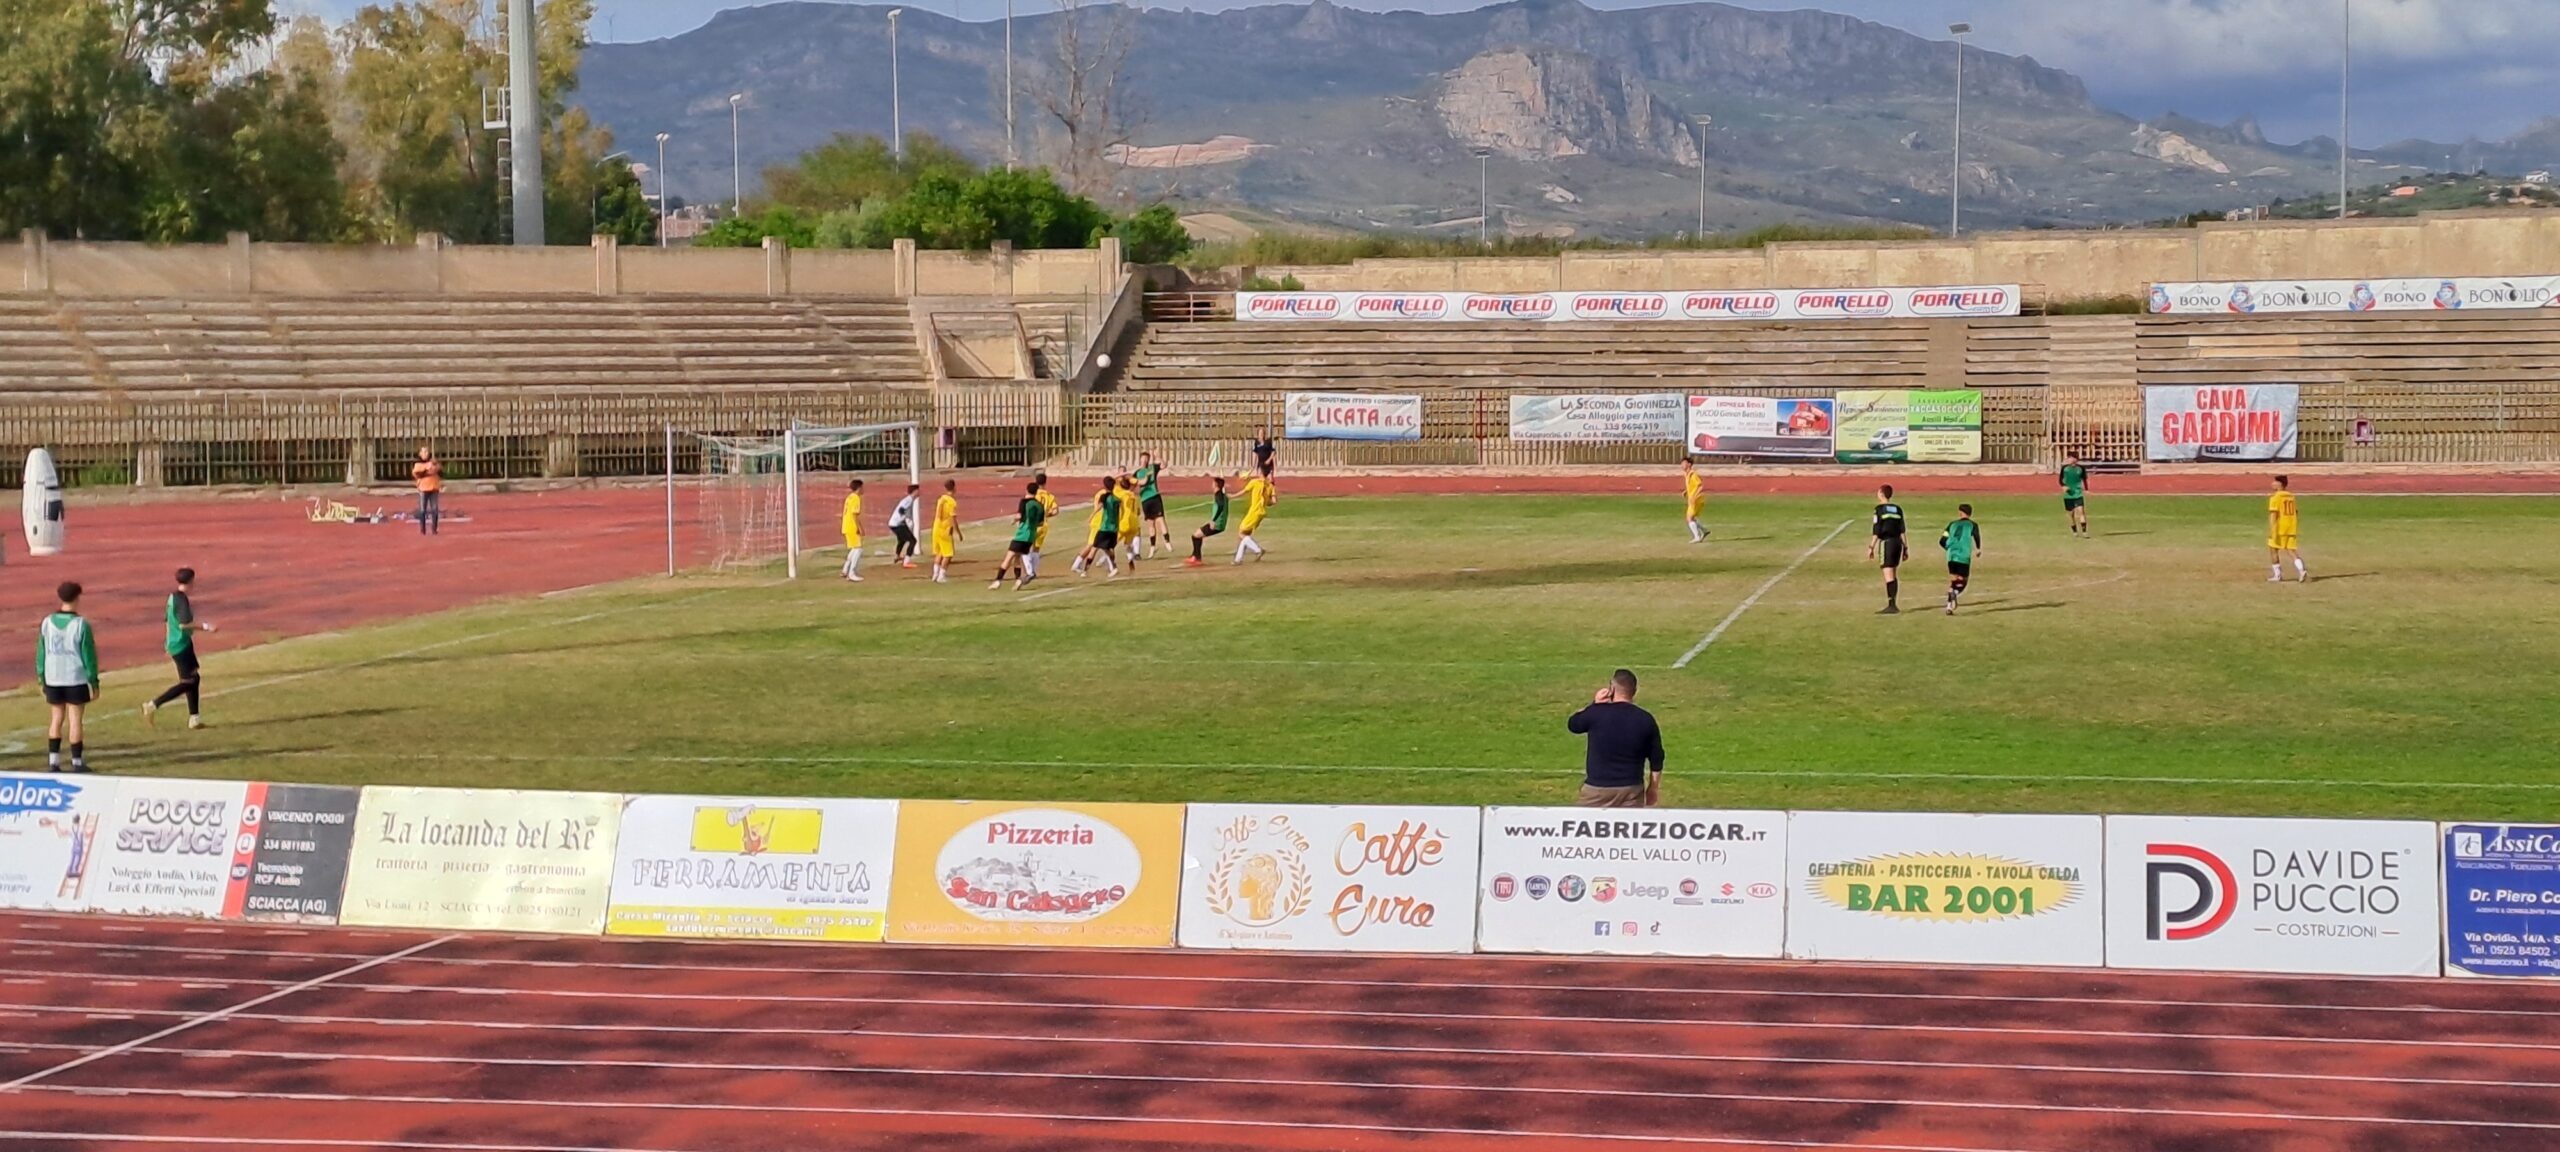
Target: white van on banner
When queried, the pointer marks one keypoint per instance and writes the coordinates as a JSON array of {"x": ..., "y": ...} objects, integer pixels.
[
  {"x": 168, "y": 847},
  {"x": 1918, "y": 886},
  {"x": 1349, "y": 416},
  {"x": 1658, "y": 882},
  {"x": 1944, "y": 301},
  {"x": 2342, "y": 897},
  {"x": 1304, "y": 877},
  {"x": 2258, "y": 422},
  {"x": 1645, "y": 418},
  {"x": 2417, "y": 294},
  {"x": 49, "y": 838},
  {"x": 748, "y": 868}
]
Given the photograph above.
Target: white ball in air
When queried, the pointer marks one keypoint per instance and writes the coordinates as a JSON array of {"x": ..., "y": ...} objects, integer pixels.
[{"x": 1102, "y": 360}]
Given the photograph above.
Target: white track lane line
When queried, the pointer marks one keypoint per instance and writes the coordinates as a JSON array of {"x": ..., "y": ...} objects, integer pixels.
[
  {"x": 1576, "y": 1054},
  {"x": 1704, "y": 965},
  {"x": 30, "y": 1079},
  {"x": 122, "y": 1138},
  {"x": 1502, "y": 1018},
  {"x": 1754, "y": 598},
  {"x": 1743, "y": 1098}
]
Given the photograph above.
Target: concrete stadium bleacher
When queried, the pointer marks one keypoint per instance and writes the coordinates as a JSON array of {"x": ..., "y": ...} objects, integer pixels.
[{"x": 390, "y": 342}]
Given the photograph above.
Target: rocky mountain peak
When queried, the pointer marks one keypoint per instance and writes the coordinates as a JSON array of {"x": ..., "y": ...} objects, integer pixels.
[{"x": 1545, "y": 103}]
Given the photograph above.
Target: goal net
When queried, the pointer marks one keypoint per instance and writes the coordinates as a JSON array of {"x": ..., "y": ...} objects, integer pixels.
[{"x": 748, "y": 490}]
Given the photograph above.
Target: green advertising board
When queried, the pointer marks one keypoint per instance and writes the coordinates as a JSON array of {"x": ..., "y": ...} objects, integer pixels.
[{"x": 1946, "y": 427}]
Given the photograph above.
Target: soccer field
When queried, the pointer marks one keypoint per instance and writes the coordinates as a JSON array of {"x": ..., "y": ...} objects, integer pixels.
[{"x": 1428, "y": 648}]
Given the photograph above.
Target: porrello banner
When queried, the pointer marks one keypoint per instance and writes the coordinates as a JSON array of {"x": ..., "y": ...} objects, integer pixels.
[
  {"x": 2342, "y": 897},
  {"x": 1661, "y": 882},
  {"x": 2420, "y": 294},
  {"x": 1647, "y": 418},
  {"x": 2221, "y": 422},
  {"x": 1314, "y": 878},
  {"x": 1699, "y": 304},
  {"x": 1351, "y": 416}
]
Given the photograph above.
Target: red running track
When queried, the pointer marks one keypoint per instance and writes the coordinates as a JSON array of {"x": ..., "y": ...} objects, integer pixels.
[{"x": 124, "y": 1034}]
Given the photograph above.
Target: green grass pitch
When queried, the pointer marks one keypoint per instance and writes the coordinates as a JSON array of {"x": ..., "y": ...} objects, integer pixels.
[{"x": 1428, "y": 649}]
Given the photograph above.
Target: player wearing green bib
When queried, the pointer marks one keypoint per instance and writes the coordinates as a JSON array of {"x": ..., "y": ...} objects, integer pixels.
[
  {"x": 2075, "y": 494},
  {"x": 1027, "y": 519},
  {"x": 1963, "y": 542},
  {"x": 67, "y": 668}
]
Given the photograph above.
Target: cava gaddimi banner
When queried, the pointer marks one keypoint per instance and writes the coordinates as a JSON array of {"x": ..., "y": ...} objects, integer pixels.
[
  {"x": 2252, "y": 422},
  {"x": 1945, "y": 302},
  {"x": 2418, "y": 294}
]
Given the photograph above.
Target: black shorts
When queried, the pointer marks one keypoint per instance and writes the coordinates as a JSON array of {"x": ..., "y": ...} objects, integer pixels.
[
  {"x": 1018, "y": 547},
  {"x": 1106, "y": 540},
  {"x": 1263, "y": 466},
  {"x": 185, "y": 659},
  {"x": 66, "y": 693},
  {"x": 1152, "y": 507},
  {"x": 906, "y": 536},
  {"x": 1890, "y": 552},
  {"x": 2072, "y": 503},
  {"x": 1961, "y": 569},
  {"x": 1209, "y": 530}
]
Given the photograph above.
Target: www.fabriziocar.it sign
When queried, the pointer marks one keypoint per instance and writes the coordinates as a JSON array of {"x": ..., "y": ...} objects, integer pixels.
[
  {"x": 1654, "y": 882},
  {"x": 2418, "y": 294},
  {"x": 1937, "y": 302}
]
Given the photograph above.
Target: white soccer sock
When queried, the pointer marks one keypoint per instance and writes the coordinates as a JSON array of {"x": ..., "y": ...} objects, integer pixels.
[
  {"x": 2297, "y": 566},
  {"x": 1695, "y": 532},
  {"x": 1030, "y": 565},
  {"x": 1241, "y": 545},
  {"x": 2275, "y": 571},
  {"x": 852, "y": 561}
]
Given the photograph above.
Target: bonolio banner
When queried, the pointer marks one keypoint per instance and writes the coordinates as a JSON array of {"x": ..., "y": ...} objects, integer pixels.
[
  {"x": 1053, "y": 875},
  {"x": 1657, "y": 882},
  {"x": 474, "y": 859},
  {"x": 2421, "y": 294},
  {"x": 1945, "y": 888},
  {"x": 1325, "y": 879},
  {"x": 765, "y": 869}
]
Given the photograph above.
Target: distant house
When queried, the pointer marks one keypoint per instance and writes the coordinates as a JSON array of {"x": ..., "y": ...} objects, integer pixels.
[
  {"x": 2541, "y": 177},
  {"x": 2403, "y": 193}
]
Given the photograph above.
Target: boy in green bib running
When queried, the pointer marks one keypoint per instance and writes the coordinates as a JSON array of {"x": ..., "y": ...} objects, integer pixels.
[
  {"x": 1963, "y": 542},
  {"x": 2075, "y": 494}
]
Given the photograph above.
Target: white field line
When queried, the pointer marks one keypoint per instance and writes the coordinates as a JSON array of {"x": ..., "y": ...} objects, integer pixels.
[
  {"x": 205, "y": 1018},
  {"x": 1175, "y": 766},
  {"x": 575, "y": 995},
  {"x": 1754, "y": 598}
]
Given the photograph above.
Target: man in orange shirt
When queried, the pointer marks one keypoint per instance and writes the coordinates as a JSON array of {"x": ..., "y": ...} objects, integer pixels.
[{"x": 430, "y": 478}]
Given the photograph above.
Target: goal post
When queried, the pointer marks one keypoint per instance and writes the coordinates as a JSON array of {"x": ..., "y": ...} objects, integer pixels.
[{"x": 749, "y": 487}]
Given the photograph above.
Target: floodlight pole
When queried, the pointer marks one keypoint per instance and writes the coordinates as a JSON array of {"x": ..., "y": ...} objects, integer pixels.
[
  {"x": 2346, "y": 72},
  {"x": 897, "y": 124},
  {"x": 1704, "y": 123},
  {"x": 1955, "y": 186}
]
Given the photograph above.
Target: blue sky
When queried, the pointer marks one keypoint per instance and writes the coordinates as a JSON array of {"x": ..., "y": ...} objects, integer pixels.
[{"x": 2439, "y": 69}]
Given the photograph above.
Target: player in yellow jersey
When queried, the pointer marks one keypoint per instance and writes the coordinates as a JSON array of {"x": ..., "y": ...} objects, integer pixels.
[
  {"x": 853, "y": 532},
  {"x": 1102, "y": 530},
  {"x": 2284, "y": 533},
  {"x": 1694, "y": 491},
  {"x": 1048, "y": 512},
  {"x": 946, "y": 529},
  {"x": 1259, "y": 496},
  {"x": 1132, "y": 517}
]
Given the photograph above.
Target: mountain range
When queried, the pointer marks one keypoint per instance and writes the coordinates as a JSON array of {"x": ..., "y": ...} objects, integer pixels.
[{"x": 1577, "y": 121}]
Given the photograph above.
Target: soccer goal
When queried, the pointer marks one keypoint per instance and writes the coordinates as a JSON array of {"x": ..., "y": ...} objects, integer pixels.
[{"x": 747, "y": 489}]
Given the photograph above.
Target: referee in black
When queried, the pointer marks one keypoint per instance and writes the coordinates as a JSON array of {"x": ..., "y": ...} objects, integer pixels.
[
  {"x": 1886, "y": 545},
  {"x": 1620, "y": 742}
]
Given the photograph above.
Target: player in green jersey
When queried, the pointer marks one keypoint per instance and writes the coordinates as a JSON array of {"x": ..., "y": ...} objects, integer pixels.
[
  {"x": 1027, "y": 519},
  {"x": 2075, "y": 494},
  {"x": 1151, "y": 503},
  {"x": 1963, "y": 543},
  {"x": 1217, "y": 520}
]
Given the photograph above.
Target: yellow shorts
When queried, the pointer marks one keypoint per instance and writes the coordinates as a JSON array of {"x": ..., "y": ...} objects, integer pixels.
[
  {"x": 1696, "y": 508},
  {"x": 2285, "y": 540},
  {"x": 1250, "y": 523},
  {"x": 852, "y": 542},
  {"x": 942, "y": 545}
]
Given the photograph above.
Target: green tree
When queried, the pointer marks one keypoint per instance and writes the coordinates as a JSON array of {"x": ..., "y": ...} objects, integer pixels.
[
  {"x": 848, "y": 170},
  {"x": 1153, "y": 235},
  {"x": 749, "y": 231},
  {"x": 622, "y": 210}
]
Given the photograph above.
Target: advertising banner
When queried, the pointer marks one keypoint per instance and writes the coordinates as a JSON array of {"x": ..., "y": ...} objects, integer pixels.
[
  {"x": 1650, "y": 418},
  {"x": 2221, "y": 422},
  {"x": 2343, "y": 897},
  {"x": 2421, "y": 294},
  {"x": 1661, "y": 882},
  {"x": 49, "y": 838},
  {"x": 1053, "y": 875},
  {"x": 298, "y": 868},
  {"x": 1700, "y": 304},
  {"x": 482, "y": 859},
  {"x": 1871, "y": 427},
  {"x": 703, "y": 866},
  {"x": 1945, "y": 425},
  {"x": 1344, "y": 416},
  {"x": 1311, "y": 878},
  {"x": 168, "y": 847},
  {"x": 1760, "y": 426},
  {"x": 1945, "y": 888},
  {"x": 2502, "y": 900}
]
